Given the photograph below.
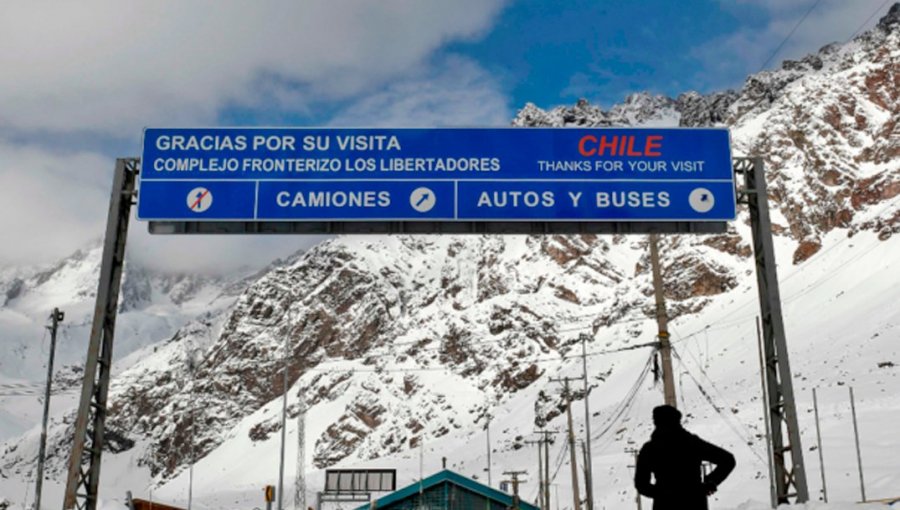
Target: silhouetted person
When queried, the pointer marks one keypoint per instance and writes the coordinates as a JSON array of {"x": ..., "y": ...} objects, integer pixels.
[{"x": 674, "y": 456}]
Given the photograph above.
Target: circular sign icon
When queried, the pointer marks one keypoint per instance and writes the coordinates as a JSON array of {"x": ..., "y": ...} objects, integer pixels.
[
  {"x": 199, "y": 199},
  {"x": 422, "y": 199},
  {"x": 701, "y": 200}
]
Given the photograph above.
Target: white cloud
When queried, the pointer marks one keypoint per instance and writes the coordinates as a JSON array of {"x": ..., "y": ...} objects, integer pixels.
[
  {"x": 211, "y": 254},
  {"x": 50, "y": 204},
  {"x": 452, "y": 92},
  {"x": 109, "y": 66},
  {"x": 745, "y": 50},
  {"x": 74, "y": 71}
]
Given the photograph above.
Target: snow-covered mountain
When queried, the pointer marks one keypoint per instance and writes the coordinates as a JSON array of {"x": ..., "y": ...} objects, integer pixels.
[
  {"x": 153, "y": 305},
  {"x": 400, "y": 343}
]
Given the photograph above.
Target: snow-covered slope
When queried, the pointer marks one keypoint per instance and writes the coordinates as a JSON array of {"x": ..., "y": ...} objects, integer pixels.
[
  {"x": 401, "y": 343},
  {"x": 152, "y": 306}
]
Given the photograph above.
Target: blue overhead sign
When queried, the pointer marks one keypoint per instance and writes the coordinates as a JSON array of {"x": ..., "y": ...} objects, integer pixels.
[{"x": 506, "y": 174}]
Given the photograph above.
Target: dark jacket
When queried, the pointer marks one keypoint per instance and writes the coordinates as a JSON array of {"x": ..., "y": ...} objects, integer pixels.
[{"x": 674, "y": 456}]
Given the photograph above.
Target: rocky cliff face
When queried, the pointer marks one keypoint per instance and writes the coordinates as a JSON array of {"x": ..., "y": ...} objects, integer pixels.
[
  {"x": 371, "y": 328},
  {"x": 479, "y": 310}
]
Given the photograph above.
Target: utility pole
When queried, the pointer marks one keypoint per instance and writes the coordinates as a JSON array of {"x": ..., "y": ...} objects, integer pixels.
[
  {"x": 585, "y": 460},
  {"x": 588, "y": 462},
  {"x": 637, "y": 494},
  {"x": 422, "y": 470},
  {"x": 547, "y": 470},
  {"x": 515, "y": 484},
  {"x": 487, "y": 430},
  {"x": 192, "y": 367},
  {"x": 55, "y": 318},
  {"x": 540, "y": 470},
  {"x": 662, "y": 321},
  {"x": 546, "y": 487},
  {"x": 862, "y": 482},
  {"x": 300, "y": 478},
  {"x": 284, "y": 388},
  {"x": 819, "y": 441},
  {"x": 576, "y": 497}
]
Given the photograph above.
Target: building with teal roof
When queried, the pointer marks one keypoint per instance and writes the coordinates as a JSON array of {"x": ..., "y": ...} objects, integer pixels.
[{"x": 446, "y": 490}]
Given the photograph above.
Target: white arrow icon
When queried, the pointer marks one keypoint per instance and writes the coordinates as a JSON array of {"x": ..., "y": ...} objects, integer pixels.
[
  {"x": 701, "y": 200},
  {"x": 422, "y": 199}
]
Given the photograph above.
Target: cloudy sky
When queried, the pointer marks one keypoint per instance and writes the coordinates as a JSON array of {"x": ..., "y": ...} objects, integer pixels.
[{"x": 80, "y": 80}]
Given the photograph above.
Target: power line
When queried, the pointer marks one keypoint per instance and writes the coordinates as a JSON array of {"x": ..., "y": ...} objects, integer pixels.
[
  {"x": 712, "y": 384},
  {"x": 864, "y": 23},
  {"x": 555, "y": 359},
  {"x": 33, "y": 388},
  {"x": 855, "y": 32},
  {"x": 620, "y": 410},
  {"x": 723, "y": 324},
  {"x": 626, "y": 415},
  {"x": 560, "y": 460},
  {"x": 746, "y": 437},
  {"x": 626, "y": 406},
  {"x": 44, "y": 351},
  {"x": 791, "y": 33},
  {"x": 488, "y": 341},
  {"x": 557, "y": 332},
  {"x": 890, "y": 203}
]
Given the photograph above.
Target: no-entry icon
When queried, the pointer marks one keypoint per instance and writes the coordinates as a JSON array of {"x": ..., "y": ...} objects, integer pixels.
[{"x": 199, "y": 200}]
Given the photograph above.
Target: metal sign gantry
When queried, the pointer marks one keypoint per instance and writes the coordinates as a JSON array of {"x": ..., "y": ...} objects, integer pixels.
[
  {"x": 786, "y": 456},
  {"x": 87, "y": 447},
  {"x": 85, "y": 460}
]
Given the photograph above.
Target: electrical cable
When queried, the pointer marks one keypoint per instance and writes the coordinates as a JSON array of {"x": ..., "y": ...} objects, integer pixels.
[
  {"x": 45, "y": 351},
  {"x": 499, "y": 340},
  {"x": 559, "y": 359},
  {"x": 560, "y": 460},
  {"x": 854, "y": 34},
  {"x": 34, "y": 388},
  {"x": 31, "y": 388},
  {"x": 617, "y": 413},
  {"x": 864, "y": 23},
  {"x": 790, "y": 34},
  {"x": 722, "y": 324},
  {"x": 625, "y": 412},
  {"x": 746, "y": 437},
  {"x": 623, "y": 405},
  {"x": 24, "y": 390}
]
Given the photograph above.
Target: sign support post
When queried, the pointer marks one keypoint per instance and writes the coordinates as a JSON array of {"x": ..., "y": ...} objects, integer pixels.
[
  {"x": 790, "y": 477},
  {"x": 84, "y": 463}
]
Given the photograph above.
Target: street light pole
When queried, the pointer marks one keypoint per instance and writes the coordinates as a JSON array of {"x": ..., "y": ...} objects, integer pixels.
[{"x": 55, "y": 318}]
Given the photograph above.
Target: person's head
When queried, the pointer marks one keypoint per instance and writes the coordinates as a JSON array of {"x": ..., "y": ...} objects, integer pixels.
[{"x": 666, "y": 417}]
